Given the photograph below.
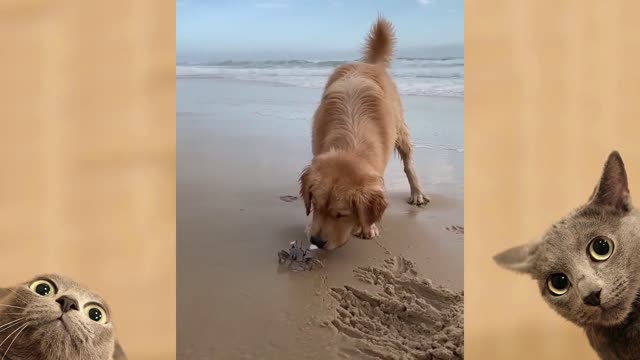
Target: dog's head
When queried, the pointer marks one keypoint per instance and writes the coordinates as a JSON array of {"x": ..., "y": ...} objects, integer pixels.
[{"x": 344, "y": 194}]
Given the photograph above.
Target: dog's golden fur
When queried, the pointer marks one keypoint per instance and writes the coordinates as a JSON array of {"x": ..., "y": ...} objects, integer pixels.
[{"x": 356, "y": 128}]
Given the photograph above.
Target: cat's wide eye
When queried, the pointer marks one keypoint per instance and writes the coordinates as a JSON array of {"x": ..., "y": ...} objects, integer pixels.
[
  {"x": 43, "y": 288},
  {"x": 96, "y": 313},
  {"x": 600, "y": 248},
  {"x": 558, "y": 284}
]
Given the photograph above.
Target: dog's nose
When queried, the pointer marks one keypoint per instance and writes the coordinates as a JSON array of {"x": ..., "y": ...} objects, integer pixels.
[
  {"x": 67, "y": 303},
  {"x": 317, "y": 241},
  {"x": 593, "y": 299}
]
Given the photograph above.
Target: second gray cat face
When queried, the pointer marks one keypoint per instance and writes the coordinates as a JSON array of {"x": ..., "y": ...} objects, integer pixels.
[
  {"x": 597, "y": 252},
  {"x": 587, "y": 265},
  {"x": 52, "y": 317}
]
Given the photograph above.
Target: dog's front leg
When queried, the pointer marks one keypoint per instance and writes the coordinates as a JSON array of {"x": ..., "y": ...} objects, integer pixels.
[{"x": 368, "y": 233}]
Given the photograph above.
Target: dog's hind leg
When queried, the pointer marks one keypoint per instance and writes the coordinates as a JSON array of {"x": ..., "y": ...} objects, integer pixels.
[{"x": 404, "y": 148}]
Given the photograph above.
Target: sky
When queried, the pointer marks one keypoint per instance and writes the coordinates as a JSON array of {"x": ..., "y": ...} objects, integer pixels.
[{"x": 213, "y": 30}]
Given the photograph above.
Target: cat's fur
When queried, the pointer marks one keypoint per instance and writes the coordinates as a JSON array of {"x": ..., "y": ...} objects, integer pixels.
[
  {"x": 613, "y": 326},
  {"x": 50, "y": 333}
]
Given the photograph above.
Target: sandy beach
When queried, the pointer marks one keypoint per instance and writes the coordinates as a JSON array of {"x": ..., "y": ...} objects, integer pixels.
[{"x": 240, "y": 147}]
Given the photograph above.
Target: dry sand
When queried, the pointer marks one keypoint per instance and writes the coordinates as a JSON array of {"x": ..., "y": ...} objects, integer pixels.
[
  {"x": 241, "y": 147},
  {"x": 409, "y": 319}
]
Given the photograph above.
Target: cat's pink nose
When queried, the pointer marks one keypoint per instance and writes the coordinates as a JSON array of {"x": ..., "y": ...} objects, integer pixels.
[
  {"x": 67, "y": 303},
  {"x": 593, "y": 299}
]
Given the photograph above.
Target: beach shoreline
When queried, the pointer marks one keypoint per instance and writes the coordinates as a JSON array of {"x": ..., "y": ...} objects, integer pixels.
[{"x": 240, "y": 147}]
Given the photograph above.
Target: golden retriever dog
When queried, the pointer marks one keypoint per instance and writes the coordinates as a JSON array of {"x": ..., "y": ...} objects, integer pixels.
[{"x": 356, "y": 128}]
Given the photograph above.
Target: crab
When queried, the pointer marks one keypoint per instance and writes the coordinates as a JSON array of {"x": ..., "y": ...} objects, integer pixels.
[{"x": 299, "y": 258}]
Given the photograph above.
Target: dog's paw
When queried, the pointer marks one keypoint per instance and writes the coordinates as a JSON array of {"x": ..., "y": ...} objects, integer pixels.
[
  {"x": 370, "y": 233},
  {"x": 418, "y": 199}
]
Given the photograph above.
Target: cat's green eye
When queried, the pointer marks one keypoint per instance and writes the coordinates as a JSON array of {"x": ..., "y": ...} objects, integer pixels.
[
  {"x": 600, "y": 248},
  {"x": 96, "y": 313},
  {"x": 43, "y": 288},
  {"x": 558, "y": 284}
]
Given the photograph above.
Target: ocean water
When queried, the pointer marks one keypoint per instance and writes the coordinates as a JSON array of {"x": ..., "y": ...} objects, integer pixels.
[{"x": 413, "y": 76}]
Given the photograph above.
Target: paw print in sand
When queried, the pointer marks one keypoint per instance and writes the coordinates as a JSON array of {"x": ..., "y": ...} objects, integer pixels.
[{"x": 459, "y": 230}]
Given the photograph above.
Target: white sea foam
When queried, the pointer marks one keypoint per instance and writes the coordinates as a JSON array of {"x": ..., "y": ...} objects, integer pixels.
[{"x": 424, "y": 77}]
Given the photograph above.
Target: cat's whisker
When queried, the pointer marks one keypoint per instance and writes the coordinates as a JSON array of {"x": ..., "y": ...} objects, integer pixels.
[
  {"x": 14, "y": 331},
  {"x": 12, "y": 306},
  {"x": 10, "y": 324},
  {"x": 14, "y": 339}
]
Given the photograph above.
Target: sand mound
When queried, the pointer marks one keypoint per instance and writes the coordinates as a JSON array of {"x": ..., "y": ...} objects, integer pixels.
[{"x": 409, "y": 319}]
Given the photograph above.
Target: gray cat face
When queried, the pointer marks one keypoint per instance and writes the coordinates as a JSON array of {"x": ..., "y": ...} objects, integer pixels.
[
  {"x": 52, "y": 317},
  {"x": 587, "y": 265}
]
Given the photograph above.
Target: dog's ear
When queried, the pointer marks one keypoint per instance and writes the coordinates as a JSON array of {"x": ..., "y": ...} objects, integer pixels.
[
  {"x": 305, "y": 188},
  {"x": 376, "y": 206},
  {"x": 370, "y": 206}
]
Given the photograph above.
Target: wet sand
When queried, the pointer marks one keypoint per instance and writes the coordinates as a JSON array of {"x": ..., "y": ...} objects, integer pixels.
[{"x": 240, "y": 148}]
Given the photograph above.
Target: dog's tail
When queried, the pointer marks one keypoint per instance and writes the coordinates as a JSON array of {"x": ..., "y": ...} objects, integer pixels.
[{"x": 380, "y": 43}]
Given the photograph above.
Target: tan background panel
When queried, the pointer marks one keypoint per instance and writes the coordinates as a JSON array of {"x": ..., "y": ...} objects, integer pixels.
[
  {"x": 551, "y": 88},
  {"x": 88, "y": 156}
]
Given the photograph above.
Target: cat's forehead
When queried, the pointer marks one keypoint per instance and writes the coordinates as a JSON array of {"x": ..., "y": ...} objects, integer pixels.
[
  {"x": 582, "y": 226},
  {"x": 565, "y": 241}
]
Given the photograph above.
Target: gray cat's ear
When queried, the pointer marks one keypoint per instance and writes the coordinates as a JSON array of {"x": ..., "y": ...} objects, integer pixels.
[
  {"x": 613, "y": 188},
  {"x": 519, "y": 258}
]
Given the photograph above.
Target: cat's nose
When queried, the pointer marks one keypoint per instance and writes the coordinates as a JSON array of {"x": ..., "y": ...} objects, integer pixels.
[
  {"x": 593, "y": 299},
  {"x": 67, "y": 303}
]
